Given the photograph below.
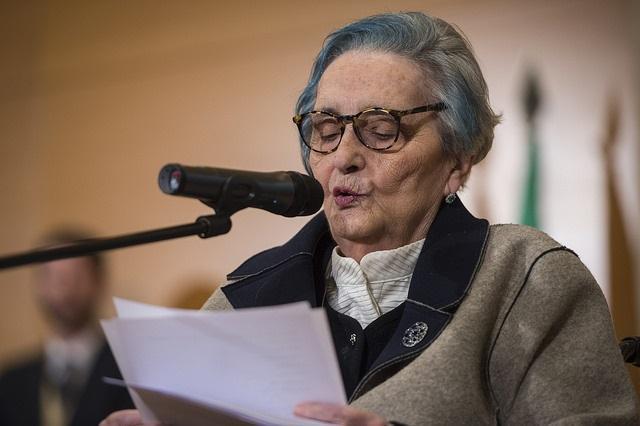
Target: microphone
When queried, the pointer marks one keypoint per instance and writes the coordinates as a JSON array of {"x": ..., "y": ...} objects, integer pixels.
[{"x": 285, "y": 193}]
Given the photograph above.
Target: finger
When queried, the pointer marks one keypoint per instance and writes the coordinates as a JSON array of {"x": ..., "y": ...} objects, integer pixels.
[
  {"x": 325, "y": 412},
  {"x": 123, "y": 418},
  {"x": 352, "y": 416}
]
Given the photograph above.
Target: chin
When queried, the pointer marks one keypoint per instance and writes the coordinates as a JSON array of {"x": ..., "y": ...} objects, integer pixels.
[{"x": 352, "y": 229}]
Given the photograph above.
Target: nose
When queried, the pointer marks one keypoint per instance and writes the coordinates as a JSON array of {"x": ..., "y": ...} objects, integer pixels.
[{"x": 350, "y": 155}]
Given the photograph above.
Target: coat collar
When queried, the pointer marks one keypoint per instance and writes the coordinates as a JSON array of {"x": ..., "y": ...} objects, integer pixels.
[
  {"x": 285, "y": 274},
  {"x": 449, "y": 258},
  {"x": 305, "y": 242}
]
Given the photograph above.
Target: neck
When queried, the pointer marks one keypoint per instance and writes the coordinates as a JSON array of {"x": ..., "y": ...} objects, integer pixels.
[{"x": 357, "y": 249}]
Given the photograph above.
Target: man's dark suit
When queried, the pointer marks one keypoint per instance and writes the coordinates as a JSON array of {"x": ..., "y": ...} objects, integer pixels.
[{"x": 20, "y": 393}]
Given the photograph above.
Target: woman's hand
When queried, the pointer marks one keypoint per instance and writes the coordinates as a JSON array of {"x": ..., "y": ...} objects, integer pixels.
[
  {"x": 126, "y": 418},
  {"x": 338, "y": 414}
]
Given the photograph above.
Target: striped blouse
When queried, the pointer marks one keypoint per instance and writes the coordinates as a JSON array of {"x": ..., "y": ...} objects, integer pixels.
[{"x": 374, "y": 287}]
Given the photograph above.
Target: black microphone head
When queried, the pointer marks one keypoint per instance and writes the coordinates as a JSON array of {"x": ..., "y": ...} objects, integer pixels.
[
  {"x": 170, "y": 178},
  {"x": 308, "y": 198},
  {"x": 228, "y": 191}
]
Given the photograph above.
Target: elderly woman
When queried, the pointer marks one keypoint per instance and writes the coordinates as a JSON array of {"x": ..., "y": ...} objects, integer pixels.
[{"x": 436, "y": 316}]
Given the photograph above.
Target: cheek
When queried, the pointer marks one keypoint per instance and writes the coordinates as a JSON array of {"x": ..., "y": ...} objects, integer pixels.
[
  {"x": 398, "y": 176},
  {"x": 412, "y": 176}
]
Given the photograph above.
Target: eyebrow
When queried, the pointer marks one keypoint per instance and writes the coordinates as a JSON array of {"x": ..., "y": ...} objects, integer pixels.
[
  {"x": 327, "y": 109},
  {"x": 336, "y": 112}
]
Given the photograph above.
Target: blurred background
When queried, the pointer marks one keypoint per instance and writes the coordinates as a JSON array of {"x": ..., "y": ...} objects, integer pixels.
[{"x": 95, "y": 97}]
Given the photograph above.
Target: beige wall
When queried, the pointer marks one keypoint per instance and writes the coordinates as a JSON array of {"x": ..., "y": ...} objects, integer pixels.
[{"x": 96, "y": 96}]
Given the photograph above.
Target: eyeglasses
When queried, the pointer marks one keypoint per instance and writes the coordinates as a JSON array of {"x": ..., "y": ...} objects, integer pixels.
[{"x": 376, "y": 128}]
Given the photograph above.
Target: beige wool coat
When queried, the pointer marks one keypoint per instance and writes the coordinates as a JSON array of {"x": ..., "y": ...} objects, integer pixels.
[{"x": 531, "y": 342}]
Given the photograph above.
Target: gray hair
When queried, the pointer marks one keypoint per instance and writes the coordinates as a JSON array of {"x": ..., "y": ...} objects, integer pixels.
[{"x": 451, "y": 72}]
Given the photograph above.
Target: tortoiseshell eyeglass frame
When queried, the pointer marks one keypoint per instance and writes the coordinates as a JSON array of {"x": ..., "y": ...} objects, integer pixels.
[{"x": 353, "y": 119}]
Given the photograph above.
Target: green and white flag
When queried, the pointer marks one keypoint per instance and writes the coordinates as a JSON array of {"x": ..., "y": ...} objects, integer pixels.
[{"x": 531, "y": 101}]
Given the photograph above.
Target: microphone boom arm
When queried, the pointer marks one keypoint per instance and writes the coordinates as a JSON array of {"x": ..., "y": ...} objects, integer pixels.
[{"x": 204, "y": 227}]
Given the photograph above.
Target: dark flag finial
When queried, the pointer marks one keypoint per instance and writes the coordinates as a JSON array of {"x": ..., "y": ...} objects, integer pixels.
[
  {"x": 611, "y": 127},
  {"x": 532, "y": 95}
]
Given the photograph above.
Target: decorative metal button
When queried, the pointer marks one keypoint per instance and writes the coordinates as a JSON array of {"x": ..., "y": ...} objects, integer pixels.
[
  {"x": 352, "y": 339},
  {"x": 414, "y": 334}
]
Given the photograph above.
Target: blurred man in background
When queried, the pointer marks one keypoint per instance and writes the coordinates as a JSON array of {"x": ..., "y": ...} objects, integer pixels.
[{"x": 63, "y": 384}]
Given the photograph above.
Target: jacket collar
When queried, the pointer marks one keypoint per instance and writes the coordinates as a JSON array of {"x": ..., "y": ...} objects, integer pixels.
[
  {"x": 305, "y": 242},
  {"x": 285, "y": 274},
  {"x": 449, "y": 258}
]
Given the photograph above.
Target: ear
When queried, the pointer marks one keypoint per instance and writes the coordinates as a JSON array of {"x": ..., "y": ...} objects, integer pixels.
[{"x": 458, "y": 175}]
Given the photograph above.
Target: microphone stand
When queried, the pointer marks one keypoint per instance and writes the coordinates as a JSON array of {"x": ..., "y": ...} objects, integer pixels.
[{"x": 204, "y": 227}]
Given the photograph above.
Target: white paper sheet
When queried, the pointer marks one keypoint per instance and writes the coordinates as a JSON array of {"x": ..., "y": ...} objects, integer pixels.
[{"x": 258, "y": 362}]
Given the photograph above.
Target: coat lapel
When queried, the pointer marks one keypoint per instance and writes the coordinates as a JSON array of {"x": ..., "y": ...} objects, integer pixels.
[{"x": 286, "y": 274}]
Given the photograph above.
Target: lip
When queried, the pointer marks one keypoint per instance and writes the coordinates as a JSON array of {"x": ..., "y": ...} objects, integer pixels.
[{"x": 345, "y": 197}]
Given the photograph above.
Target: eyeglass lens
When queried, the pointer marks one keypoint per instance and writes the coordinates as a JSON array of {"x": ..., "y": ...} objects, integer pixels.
[{"x": 323, "y": 132}]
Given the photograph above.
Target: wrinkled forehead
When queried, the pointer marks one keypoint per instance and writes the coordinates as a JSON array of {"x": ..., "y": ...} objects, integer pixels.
[{"x": 357, "y": 80}]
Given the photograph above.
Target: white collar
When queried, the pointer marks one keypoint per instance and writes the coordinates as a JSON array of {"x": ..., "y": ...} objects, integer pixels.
[{"x": 383, "y": 265}]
